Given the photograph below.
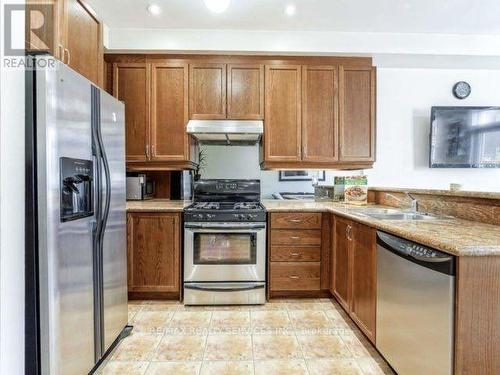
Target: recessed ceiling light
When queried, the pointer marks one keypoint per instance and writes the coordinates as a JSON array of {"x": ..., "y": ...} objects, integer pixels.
[
  {"x": 154, "y": 9},
  {"x": 290, "y": 10},
  {"x": 217, "y": 6}
]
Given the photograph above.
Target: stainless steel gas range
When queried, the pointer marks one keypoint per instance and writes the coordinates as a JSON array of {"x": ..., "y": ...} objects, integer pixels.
[{"x": 225, "y": 244}]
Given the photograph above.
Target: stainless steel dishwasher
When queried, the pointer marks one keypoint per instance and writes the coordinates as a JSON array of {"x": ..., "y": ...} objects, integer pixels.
[{"x": 415, "y": 306}]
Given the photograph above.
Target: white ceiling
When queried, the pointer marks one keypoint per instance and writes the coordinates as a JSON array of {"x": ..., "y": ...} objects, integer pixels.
[{"x": 393, "y": 16}]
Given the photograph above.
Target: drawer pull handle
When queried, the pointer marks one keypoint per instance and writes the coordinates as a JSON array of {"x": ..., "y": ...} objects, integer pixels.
[
  {"x": 295, "y": 254},
  {"x": 295, "y": 237},
  {"x": 296, "y": 220},
  {"x": 294, "y": 277}
]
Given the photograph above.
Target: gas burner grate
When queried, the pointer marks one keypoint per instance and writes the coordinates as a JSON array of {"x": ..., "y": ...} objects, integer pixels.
[
  {"x": 207, "y": 206},
  {"x": 247, "y": 206}
]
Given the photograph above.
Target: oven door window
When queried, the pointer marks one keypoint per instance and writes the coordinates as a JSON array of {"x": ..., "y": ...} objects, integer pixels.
[{"x": 225, "y": 248}]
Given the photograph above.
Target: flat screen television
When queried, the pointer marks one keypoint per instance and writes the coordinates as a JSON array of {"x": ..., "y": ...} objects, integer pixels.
[{"x": 465, "y": 137}]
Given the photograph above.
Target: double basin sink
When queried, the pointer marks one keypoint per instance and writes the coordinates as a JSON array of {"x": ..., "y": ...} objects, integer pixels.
[{"x": 394, "y": 214}]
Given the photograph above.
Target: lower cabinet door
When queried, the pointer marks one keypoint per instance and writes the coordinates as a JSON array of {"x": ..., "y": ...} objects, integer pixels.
[
  {"x": 153, "y": 252},
  {"x": 302, "y": 276},
  {"x": 340, "y": 261},
  {"x": 364, "y": 279}
]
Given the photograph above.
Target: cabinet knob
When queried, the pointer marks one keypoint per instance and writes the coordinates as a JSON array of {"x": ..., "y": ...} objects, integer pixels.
[
  {"x": 294, "y": 277},
  {"x": 295, "y": 221},
  {"x": 295, "y": 254},
  {"x": 295, "y": 237}
]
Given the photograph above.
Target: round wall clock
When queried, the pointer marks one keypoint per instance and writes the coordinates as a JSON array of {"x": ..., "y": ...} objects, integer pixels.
[{"x": 461, "y": 90}]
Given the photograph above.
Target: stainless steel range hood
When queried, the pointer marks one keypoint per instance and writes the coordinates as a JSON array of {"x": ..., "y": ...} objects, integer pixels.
[{"x": 226, "y": 132}]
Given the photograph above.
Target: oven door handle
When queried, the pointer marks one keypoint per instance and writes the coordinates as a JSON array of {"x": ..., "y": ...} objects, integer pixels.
[
  {"x": 223, "y": 289},
  {"x": 224, "y": 227}
]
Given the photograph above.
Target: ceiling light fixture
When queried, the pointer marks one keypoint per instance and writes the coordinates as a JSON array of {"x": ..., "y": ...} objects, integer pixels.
[
  {"x": 217, "y": 6},
  {"x": 290, "y": 10},
  {"x": 154, "y": 9}
]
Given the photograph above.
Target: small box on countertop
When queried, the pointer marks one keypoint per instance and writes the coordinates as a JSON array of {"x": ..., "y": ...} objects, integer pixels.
[{"x": 351, "y": 189}]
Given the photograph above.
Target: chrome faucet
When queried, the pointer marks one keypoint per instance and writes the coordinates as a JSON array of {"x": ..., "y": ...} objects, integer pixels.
[{"x": 414, "y": 201}]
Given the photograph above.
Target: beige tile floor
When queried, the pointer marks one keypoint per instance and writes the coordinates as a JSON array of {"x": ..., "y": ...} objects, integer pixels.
[{"x": 283, "y": 337}]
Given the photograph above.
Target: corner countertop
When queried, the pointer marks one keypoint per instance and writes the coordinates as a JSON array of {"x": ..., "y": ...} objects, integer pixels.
[
  {"x": 157, "y": 205},
  {"x": 452, "y": 235}
]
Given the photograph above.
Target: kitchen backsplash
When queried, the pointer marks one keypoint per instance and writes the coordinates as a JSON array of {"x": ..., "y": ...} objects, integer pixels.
[{"x": 243, "y": 162}]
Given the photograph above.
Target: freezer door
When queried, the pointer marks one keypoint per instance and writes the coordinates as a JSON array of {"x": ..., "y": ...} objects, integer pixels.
[
  {"x": 63, "y": 135},
  {"x": 114, "y": 250}
]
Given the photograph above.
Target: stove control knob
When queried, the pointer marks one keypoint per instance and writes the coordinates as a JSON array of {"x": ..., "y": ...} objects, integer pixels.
[
  {"x": 198, "y": 216},
  {"x": 210, "y": 216}
]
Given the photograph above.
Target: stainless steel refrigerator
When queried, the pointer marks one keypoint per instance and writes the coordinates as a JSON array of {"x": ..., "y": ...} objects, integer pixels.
[{"x": 76, "y": 222}]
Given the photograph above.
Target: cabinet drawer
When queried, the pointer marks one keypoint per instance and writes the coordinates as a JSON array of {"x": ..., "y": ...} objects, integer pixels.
[
  {"x": 295, "y": 254},
  {"x": 296, "y": 220},
  {"x": 294, "y": 276},
  {"x": 296, "y": 237}
]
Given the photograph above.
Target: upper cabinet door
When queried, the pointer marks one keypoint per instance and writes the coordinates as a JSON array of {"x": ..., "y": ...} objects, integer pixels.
[
  {"x": 207, "y": 91},
  {"x": 83, "y": 41},
  {"x": 43, "y": 26},
  {"x": 245, "y": 92},
  {"x": 282, "y": 130},
  {"x": 169, "y": 112},
  {"x": 357, "y": 114},
  {"x": 319, "y": 114},
  {"x": 131, "y": 85}
]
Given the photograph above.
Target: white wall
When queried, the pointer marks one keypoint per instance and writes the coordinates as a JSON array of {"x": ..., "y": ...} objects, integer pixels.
[
  {"x": 404, "y": 99},
  {"x": 11, "y": 217},
  {"x": 314, "y": 42}
]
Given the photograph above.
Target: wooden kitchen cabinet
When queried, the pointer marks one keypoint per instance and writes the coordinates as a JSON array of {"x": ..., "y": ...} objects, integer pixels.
[
  {"x": 153, "y": 243},
  {"x": 83, "y": 40},
  {"x": 354, "y": 272},
  {"x": 70, "y": 31},
  {"x": 319, "y": 114},
  {"x": 296, "y": 254},
  {"x": 363, "y": 279},
  {"x": 207, "y": 91},
  {"x": 295, "y": 276},
  {"x": 245, "y": 91},
  {"x": 357, "y": 114},
  {"x": 226, "y": 91},
  {"x": 326, "y": 121},
  {"x": 132, "y": 86},
  {"x": 156, "y": 114},
  {"x": 283, "y": 116},
  {"x": 169, "y": 112},
  {"x": 340, "y": 285}
]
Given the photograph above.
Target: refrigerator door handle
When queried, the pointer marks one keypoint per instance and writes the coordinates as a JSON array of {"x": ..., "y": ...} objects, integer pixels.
[
  {"x": 107, "y": 177},
  {"x": 99, "y": 227}
]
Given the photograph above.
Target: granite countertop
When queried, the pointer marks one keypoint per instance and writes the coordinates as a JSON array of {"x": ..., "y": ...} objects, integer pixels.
[
  {"x": 157, "y": 205},
  {"x": 452, "y": 235}
]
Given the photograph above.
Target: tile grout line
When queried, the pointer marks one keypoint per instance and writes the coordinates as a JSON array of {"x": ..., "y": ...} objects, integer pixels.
[{"x": 206, "y": 343}]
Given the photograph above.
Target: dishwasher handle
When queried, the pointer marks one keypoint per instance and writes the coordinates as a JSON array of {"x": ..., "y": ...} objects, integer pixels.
[{"x": 417, "y": 253}]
